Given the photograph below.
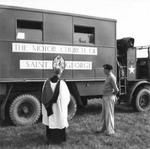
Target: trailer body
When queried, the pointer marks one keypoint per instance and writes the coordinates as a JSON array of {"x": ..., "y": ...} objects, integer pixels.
[{"x": 29, "y": 41}]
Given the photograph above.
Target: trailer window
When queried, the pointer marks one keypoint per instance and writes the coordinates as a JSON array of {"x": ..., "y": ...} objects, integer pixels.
[
  {"x": 84, "y": 35},
  {"x": 29, "y": 30}
]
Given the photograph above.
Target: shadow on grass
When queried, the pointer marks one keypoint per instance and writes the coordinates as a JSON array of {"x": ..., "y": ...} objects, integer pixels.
[
  {"x": 5, "y": 123},
  {"x": 91, "y": 109},
  {"x": 123, "y": 108},
  {"x": 96, "y": 107}
]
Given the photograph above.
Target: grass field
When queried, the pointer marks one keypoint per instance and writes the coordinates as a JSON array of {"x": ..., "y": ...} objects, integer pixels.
[{"x": 132, "y": 132}]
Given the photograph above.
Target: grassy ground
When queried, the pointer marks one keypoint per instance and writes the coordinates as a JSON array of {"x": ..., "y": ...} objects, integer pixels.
[{"x": 132, "y": 132}]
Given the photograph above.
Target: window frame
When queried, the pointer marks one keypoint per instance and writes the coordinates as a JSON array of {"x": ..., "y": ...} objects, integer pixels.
[
  {"x": 26, "y": 28},
  {"x": 84, "y": 32}
]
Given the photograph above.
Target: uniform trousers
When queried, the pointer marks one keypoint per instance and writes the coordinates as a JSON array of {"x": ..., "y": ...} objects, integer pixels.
[{"x": 107, "y": 115}]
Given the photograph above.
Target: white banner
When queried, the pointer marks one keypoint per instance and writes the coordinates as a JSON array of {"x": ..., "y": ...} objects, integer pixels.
[
  {"x": 44, "y": 64},
  {"x": 47, "y": 48}
]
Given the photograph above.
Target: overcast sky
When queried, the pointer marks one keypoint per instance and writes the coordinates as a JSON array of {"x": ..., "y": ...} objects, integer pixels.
[{"x": 132, "y": 15}]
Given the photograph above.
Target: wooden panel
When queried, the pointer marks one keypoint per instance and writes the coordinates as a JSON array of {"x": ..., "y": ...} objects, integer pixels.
[
  {"x": 58, "y": 29},
  {"x": 10, "y": 63}
]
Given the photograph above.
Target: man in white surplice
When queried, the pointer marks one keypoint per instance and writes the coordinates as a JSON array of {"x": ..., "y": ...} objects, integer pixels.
[
  {"x": 60, "y": 111},
  {"x": 55, "y": 100}
]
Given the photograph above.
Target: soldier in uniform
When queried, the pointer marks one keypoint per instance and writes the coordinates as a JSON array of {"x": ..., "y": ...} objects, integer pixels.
[{"x": 110, "y": 91}]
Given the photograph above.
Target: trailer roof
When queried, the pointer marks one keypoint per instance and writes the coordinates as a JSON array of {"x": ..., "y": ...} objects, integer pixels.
[{"x": 54, "y": 12}]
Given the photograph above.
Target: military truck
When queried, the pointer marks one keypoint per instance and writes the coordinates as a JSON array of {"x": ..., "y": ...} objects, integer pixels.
[{"x": 31, "y": 38}]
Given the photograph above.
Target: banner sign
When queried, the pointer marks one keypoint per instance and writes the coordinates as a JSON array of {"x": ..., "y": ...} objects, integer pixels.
[
  {"x": 47, "y": 64},
  {"x": 48, "y": 48}
]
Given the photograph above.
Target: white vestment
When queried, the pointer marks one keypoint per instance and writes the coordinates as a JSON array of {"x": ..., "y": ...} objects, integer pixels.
[{"x": 59, "y": 118}]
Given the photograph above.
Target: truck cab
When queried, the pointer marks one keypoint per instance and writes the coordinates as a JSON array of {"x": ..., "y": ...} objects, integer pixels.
[{"x": 133, "y": 74}]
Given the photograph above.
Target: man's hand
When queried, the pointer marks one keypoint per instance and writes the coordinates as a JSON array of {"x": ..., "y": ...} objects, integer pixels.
[{"x": 118, "y": 94}]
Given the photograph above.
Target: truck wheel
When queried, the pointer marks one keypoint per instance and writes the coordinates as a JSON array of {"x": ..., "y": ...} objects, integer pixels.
[
  {"x": 72, "y": 108},
  {"x": 142, "y": 101},
  {"x": 25, "y": 110}
]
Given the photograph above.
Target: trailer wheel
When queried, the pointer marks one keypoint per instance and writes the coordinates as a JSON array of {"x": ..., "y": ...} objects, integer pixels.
[
  {"x": 142, "y": 101},
  {"x": 72, "y": 107},
  {"x": 25, "y": 110}
]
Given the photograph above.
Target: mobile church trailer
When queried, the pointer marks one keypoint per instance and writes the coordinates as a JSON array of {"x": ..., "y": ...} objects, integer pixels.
[{"x": 29, "y": 41}]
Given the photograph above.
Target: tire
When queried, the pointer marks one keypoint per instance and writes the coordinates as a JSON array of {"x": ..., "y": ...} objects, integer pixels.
[
  {"x": 25, "y": 110},
  {"x": 142, "y": 101},
  {"x": 72, "y": 108}
]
